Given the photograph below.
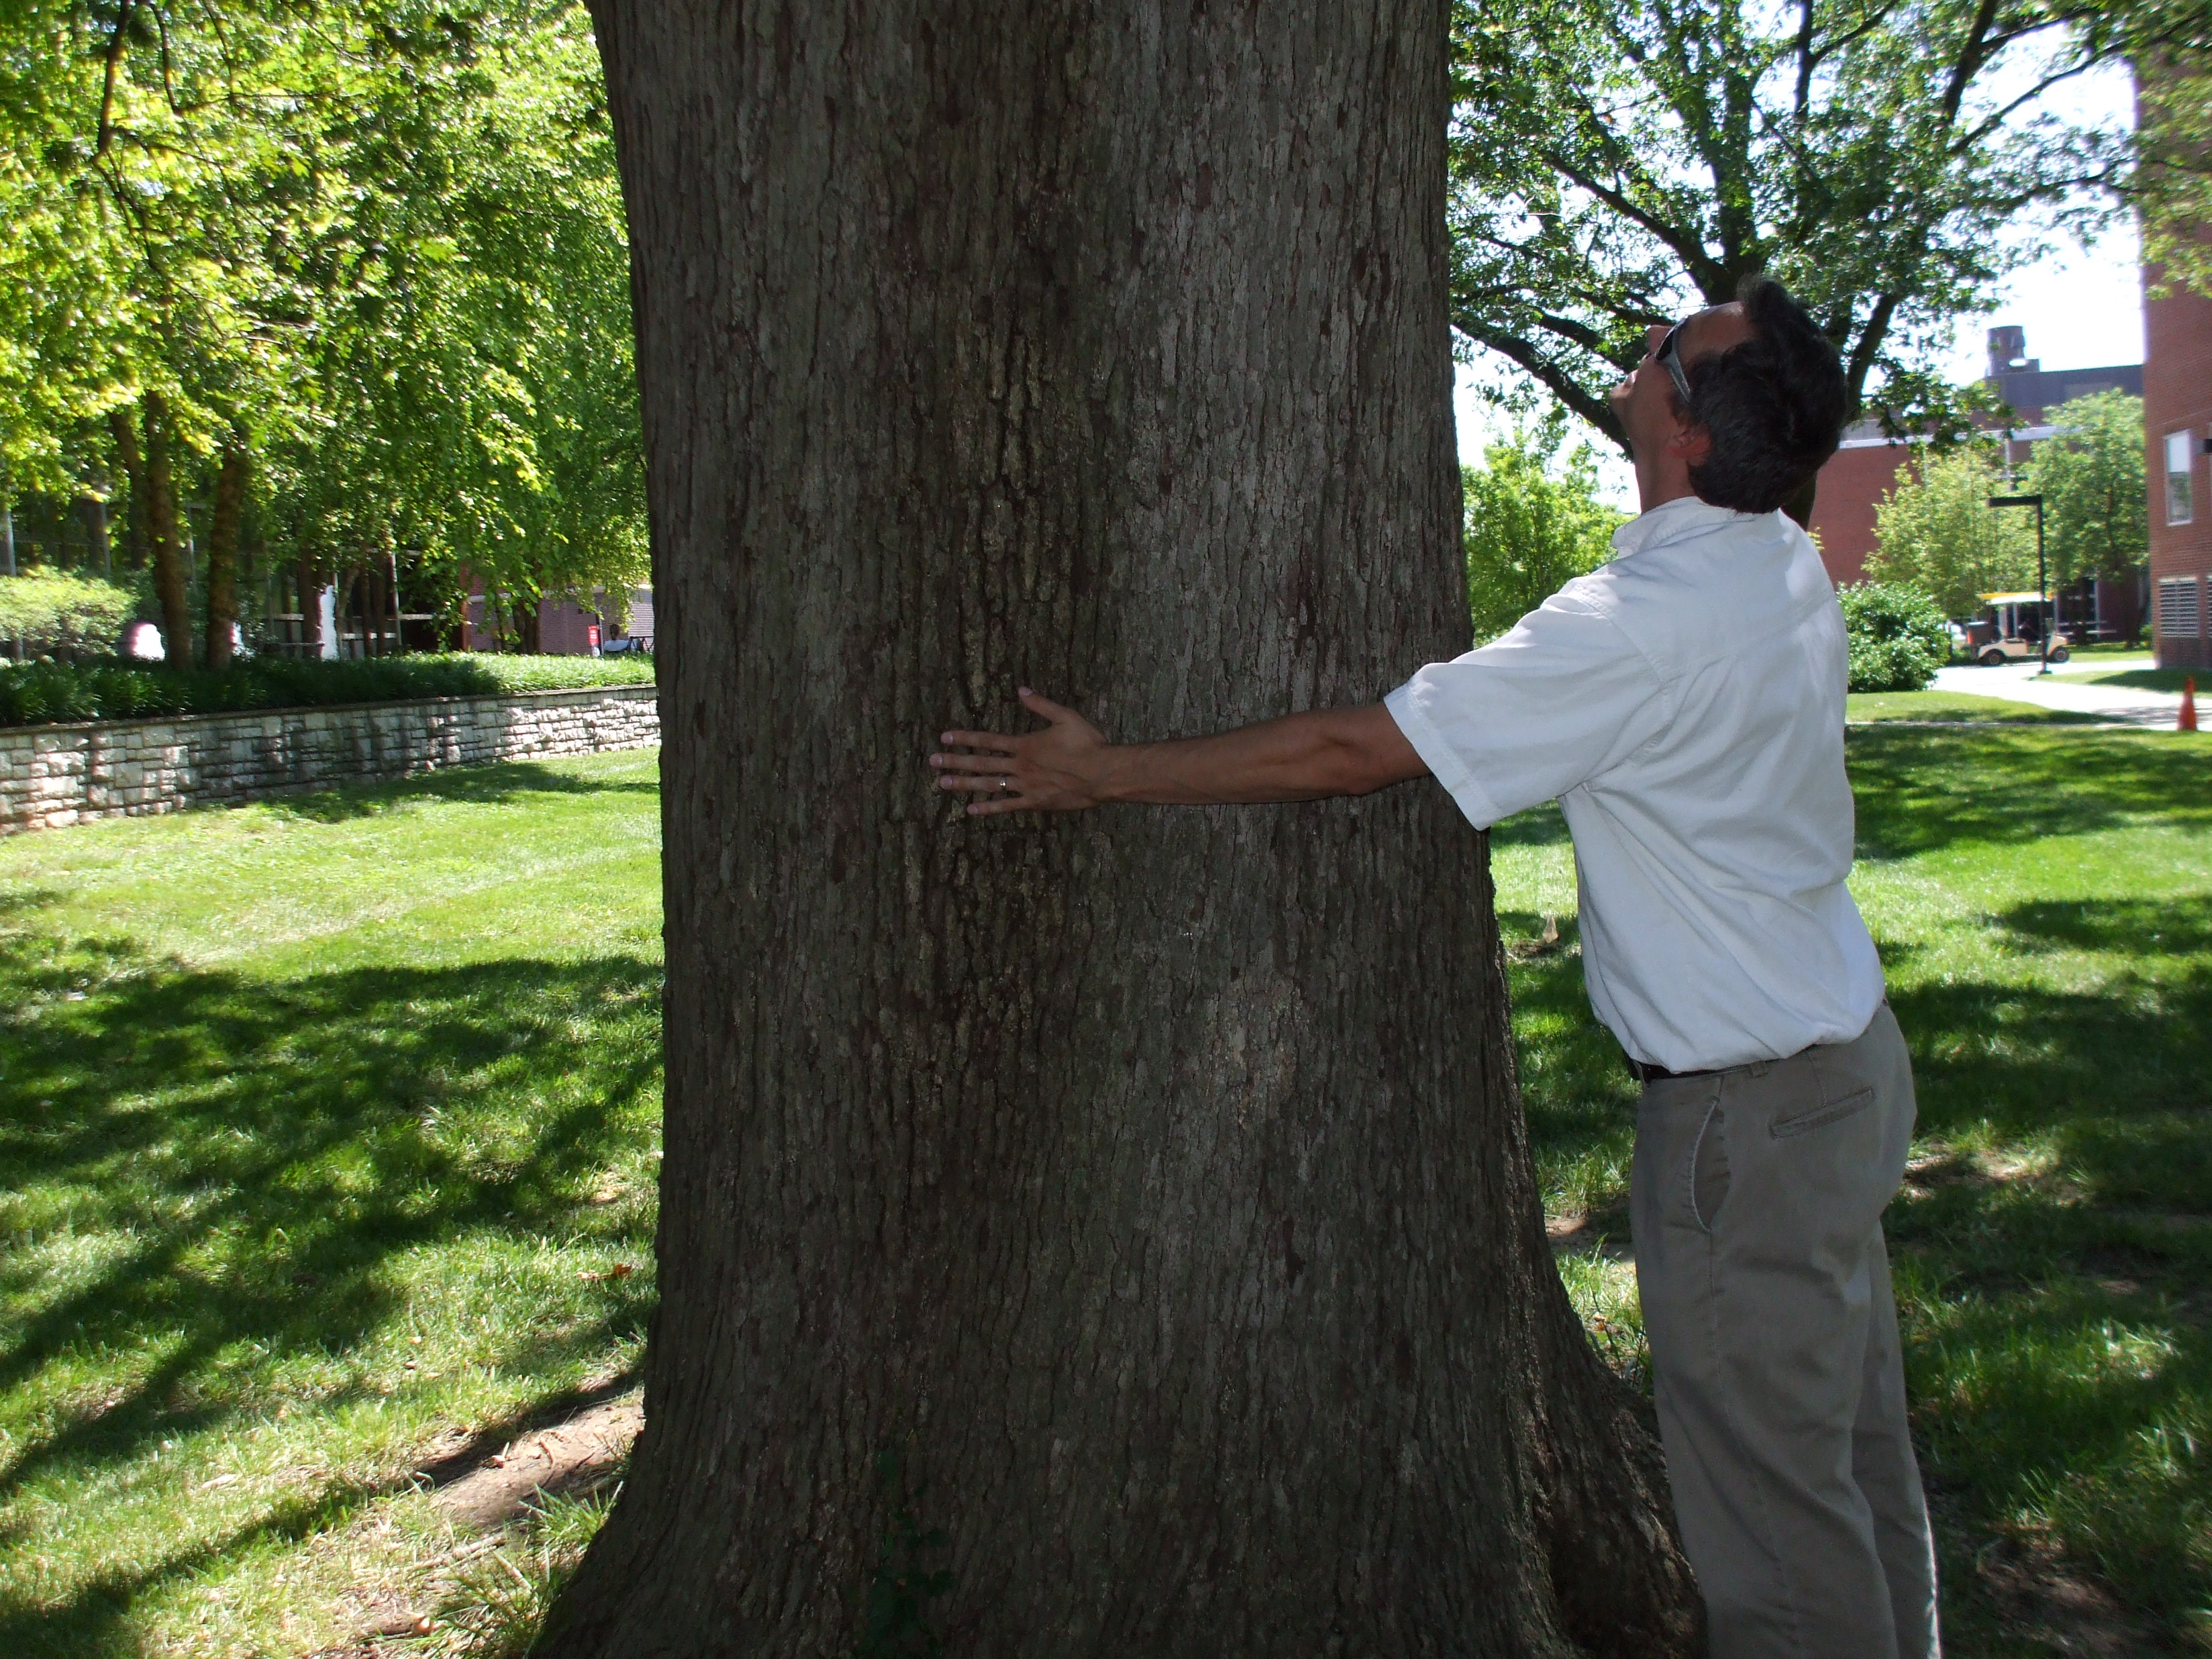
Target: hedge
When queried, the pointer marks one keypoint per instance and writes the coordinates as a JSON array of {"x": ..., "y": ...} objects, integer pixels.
[
  {"x": 46, "y": 612},
  {"x": 39, "y": 693}
]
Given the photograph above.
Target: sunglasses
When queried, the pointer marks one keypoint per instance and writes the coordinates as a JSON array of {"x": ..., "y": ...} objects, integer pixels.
[{"x": 1669, "y": 359}]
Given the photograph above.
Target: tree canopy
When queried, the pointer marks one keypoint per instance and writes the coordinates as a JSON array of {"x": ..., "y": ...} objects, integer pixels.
[
  {"x": 369, "y": 258},
  {"x": 2173, "y": 184},
  {"x": 1616, "y": 162},
  {"x": 2095, "y": 499}
]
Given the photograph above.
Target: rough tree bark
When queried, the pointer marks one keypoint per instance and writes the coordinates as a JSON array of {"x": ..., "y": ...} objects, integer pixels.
[
  {"x": 167, "y": 546},
  {"x": 223, "y": 525},
  {"x": 1151, "y": 1184}
]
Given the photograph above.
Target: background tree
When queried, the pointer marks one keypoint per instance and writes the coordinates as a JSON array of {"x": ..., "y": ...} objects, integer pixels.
[
  {"x": 2096, "y": 502},
  {"x": 1151, "y": 1186},
  {"x": 1936, "y": 531},
  {"x": 1532, "y": 522},
  {"x": 1616, "y": 163},
  {"x": 366, "y": 263},
  {"x": 474, "y": 398},
  {"x": 2172, "y": 185}
]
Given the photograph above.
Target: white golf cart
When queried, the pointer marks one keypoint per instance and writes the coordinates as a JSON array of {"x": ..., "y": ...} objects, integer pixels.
[{"x": 2011, "y": 629}]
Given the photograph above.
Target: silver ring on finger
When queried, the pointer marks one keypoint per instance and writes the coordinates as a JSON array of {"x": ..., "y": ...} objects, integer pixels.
[{"x": 1006, "y": 783}]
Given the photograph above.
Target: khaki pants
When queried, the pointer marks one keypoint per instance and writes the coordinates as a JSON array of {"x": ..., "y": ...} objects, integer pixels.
[{"x": 1757, "y": 1204}]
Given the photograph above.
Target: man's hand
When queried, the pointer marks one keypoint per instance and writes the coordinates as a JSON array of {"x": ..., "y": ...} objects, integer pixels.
[
  {"x": 1070, "y": 765},
  {"x": 1058, "y": 770}
]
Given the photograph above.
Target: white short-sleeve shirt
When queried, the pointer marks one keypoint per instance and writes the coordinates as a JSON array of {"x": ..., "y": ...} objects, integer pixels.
[{"x": 1685, "y": 706}]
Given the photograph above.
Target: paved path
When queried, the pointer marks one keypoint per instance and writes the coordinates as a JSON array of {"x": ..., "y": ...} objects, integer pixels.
[{"x": 2126, "y": 705}]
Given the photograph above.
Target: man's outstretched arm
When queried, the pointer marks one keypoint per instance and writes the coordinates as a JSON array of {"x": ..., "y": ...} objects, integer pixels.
[{"x": 1070, "y": 765}]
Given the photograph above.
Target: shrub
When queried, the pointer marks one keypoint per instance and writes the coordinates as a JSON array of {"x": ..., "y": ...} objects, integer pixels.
[
  {"x": 116, "y": 688},
  {"x": 1898, "y": 638},
  {"x": 71, "y": 615}
]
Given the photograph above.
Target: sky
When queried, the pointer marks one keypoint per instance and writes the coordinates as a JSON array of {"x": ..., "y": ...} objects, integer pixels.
[{"x": 2081, "y": 307}]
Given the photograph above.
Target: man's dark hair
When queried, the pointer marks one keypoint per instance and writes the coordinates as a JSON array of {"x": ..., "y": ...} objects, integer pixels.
[{"x": 1774, "y": 406}]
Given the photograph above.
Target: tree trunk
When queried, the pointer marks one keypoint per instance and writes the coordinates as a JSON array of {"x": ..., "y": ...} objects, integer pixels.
[
  {"x": 528, "y": 611},
  {"x": 168, "y": 547},
  {"x": 1141, "y": 1200},
  {"x": 134, "y": 475},
  {"x": 343, "y": 613},
  {"x": 223, "y": 548},
  {"x": 306, "y": 578},
  {"x": 372, "y": 609},
  {"x": 93, "y": 506}
]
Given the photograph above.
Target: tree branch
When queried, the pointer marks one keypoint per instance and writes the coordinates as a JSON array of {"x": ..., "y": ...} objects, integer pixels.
[
  {"x": 1689, "y": 249},
  {"x": 1803, "y": 100},
  {"x": 115, "y": 46},
  {"x": 1870, "y": 343},
  {"x": 1971, "y": 136},
  {"x": 1972, "y": 54},
  {"x": 1556, "y": 380}
]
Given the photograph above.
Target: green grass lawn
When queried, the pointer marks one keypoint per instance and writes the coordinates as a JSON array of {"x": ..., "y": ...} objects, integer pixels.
[
  {"x": 2142, "y": 679},
  {"x": 2113, "y": 648},
  {"x": 326, "y": 1121},
  {"x": 2043, "y": 901},
  {"x": 329, "y": 1122},
  {"x": 1952, "y": 707}
]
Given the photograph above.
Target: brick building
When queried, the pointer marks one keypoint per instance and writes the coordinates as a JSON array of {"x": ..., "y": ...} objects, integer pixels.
[
  {"x": 1865, "y": 468},
  {"x": 2178, "y": 426},
  {"x": 1857, "y": 475}
]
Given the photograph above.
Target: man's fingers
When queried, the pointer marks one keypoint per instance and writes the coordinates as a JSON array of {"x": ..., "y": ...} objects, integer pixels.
[
  {"x": 991, "y": 783},
  {"x": 996, "y": 741},
  {"x": 984, "y": 809},
  {"x": 971, "y": 762}
]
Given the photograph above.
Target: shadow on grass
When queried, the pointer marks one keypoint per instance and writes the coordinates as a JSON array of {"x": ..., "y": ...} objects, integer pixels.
[
  {"x": 97, "y": 1618},
  {"x": 260, "y": 1153},
  {"x": 497, "y": 784},
  {"x": 2176, "y": 926},
  {"x": 2059, "y": 1325},
  {"x": 2057, "y": 1320},
  {"x": 1920, "y": 790},
  {"x": 2114, "y": 1080},
  {"x": 2146, "y": 680}
]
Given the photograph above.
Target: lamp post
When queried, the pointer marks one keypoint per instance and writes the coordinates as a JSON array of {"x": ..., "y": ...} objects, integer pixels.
[{"x": 2042, "y": 588}]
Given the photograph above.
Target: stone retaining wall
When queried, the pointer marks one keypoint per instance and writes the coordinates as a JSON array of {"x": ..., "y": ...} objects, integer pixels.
[{"x": 51, "y": 775}]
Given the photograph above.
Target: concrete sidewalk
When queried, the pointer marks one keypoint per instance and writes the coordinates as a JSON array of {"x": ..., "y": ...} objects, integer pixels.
[{"x": 2123, "y": 705}]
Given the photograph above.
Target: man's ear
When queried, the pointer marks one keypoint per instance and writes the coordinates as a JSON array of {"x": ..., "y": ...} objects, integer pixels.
[{"x": 1692, "y": 443}]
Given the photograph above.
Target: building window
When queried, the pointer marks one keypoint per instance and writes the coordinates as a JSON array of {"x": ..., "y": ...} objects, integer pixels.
[
  {"x": 2180, "y": 608},
  {"x": 2180, "y": 507}
]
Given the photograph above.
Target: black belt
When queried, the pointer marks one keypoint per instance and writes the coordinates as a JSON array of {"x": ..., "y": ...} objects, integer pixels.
[{"x": 1643, "y": 1072}]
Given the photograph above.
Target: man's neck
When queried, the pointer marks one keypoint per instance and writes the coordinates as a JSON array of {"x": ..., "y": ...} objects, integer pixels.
[{"x": 1661, "y": 483}]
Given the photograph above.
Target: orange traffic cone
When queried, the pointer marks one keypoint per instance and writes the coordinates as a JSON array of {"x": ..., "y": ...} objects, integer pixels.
[{"x": 2188, "y": 720}]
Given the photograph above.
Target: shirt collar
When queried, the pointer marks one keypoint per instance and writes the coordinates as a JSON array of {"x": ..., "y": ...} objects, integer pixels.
[{"x": 1673, "y": 521}]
